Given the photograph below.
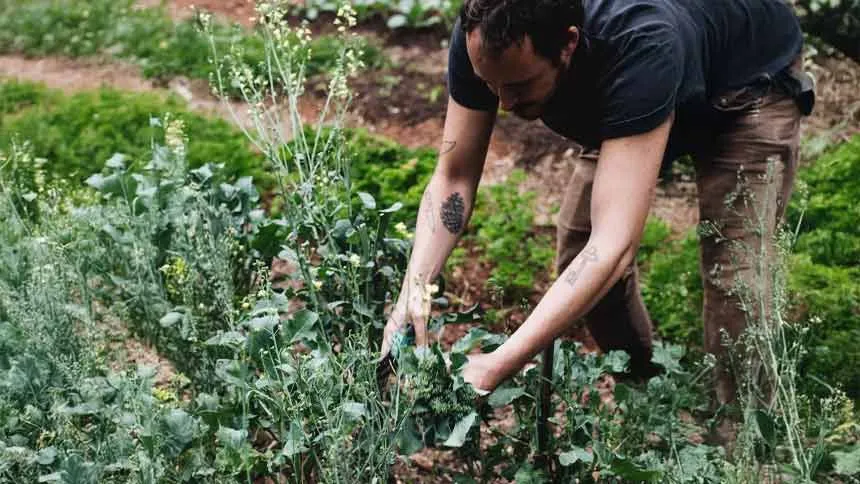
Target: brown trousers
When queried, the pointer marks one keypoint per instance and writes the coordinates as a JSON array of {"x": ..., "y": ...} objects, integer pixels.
[{"x": 764, "y": 128}]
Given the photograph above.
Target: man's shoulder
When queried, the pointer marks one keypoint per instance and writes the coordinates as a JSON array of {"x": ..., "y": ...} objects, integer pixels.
[{"x": 608, "y": 19}]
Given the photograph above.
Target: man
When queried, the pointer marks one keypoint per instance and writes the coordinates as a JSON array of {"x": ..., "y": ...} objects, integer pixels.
[{"x": 642, "y": 81}]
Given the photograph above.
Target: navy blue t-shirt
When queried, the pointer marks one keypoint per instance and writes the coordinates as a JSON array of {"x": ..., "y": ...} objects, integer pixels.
[{"x": 639, "y": 60}]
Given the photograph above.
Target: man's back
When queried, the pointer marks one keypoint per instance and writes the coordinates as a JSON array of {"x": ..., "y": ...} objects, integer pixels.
[{"x": 638, "y": 60}]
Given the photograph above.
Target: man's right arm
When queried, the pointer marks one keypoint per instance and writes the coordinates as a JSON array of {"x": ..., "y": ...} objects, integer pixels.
[{"x": 444, "y": 211}]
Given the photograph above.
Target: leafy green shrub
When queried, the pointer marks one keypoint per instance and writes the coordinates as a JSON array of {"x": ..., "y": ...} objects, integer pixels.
[
  {"x": 671, "y": 283},
  {"x": 503, "y": 227},
  {"x": 390, "y": 172},
  {"x": 830, "y": 297},
  {"x": 823, "y": 273},
  {"x": 15, "y": 96},
  {"x": 829, "y": 232},
  {"x": 77, "y": 134}
]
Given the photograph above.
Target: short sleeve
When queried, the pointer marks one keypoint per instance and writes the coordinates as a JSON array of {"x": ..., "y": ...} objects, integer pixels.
[
  {"x": 463, "y": 85},
  {"x": 640, "y": 87}
]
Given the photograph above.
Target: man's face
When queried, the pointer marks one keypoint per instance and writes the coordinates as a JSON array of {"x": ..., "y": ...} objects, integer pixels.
[{"x": 522, "y": 79}]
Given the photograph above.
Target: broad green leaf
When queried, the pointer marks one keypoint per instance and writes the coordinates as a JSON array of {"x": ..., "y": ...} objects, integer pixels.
[
  {"x": 231, "y": 438},
  {"x": 461, "y": 430},
  {"x": 170, "y": 319},
  {"x": 226, "y": 338},
  {"x": 629, "y": 471},
  {"x": 46, "y": 456},
  {"x": 263, "y": 323},
  {"x": 367, "y": 200},
  {"x": 294, "y": 442},
  {"x": 577, "y": 454},
  {"x": 529, "y": 474},
  {"x": 396, "y": 21},
  {"x": 300, "y": 326},
  {"x": 117, "y": 161},
  {"x": 409, "y": 439},
  {"x": 179, "y": 429},
  {"x": 616, "y": 361},
  {"x": 504, "y": 396},
  {"x": 766, "y": 427},
  {"x": 847, "y": 463},
  {"x": 354, "y": 409}
]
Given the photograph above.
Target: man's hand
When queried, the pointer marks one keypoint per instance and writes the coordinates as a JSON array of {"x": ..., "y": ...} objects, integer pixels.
[
  {"x": 482, "y": 372},
  {"x": 413, "y": 307}
]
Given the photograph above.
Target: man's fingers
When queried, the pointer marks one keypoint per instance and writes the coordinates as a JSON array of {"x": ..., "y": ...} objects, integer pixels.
[
  {"x": 391, "y": 327},
  {"x": 420, "y": 324}
]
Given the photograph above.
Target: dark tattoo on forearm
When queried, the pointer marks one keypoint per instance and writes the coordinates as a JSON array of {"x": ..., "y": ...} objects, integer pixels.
[
  {"x": 584, "y": 257},
  {"x": 447, "y": 147},
  {"x": 430, "y": 210},
  {"x": 452, "y": 213}
]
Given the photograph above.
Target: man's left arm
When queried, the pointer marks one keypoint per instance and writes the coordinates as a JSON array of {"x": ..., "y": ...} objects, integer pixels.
[{"x": 626, "y": 176}]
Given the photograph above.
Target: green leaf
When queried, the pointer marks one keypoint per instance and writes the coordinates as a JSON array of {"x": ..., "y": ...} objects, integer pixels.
[
  {"x": 504, "y": 396},
  {"x": 626, "y": 469},
  {"x": 294, "y": 442},
  {"x": 529, "y": 474},
  {"x": 300, "y": 326},
  {"x": 354, "y": 409},
  {"x": 396, "y": 21},
  {"x": 179, "y": 429},
  {"x": 226, "y": 338},
  {"x": 46, "y": 456},
  {"x": 170, "y": 319},
  {"x": 461, "y": 430},
  {"x": 409, "y": 439},
  {"x": 477, "y": 337},
  {"x": 847, "y": 463},
  {"x": 577, "y": 454},
  {"x": 766, "y": 427},
  {"x": 263, "y": 323},
  {"x": 117, "y": 161},
  {"x": 367, "y": 200},
  {"x": 231, "y": 438},
  {"x": 393, "y": 208}
]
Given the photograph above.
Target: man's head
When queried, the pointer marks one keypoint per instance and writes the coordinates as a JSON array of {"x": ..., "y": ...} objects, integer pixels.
[{"x": 521, "y": 48}]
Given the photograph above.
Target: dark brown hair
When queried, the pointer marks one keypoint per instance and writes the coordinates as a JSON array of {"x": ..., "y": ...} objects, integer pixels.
[{"x": 506, "y": 22}]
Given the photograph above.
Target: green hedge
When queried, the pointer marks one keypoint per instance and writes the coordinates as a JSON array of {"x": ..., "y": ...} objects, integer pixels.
[
  {"x": 825, "y": 274},
  {"x": 77, "y": 134},
  {"x": 828, "y": 220}
]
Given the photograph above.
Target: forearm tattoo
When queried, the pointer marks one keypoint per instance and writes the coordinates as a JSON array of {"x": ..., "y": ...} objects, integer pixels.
[
  {"x": 452, "y": 213},
  {"x": 575, "y": 270},
  {"x": 430, "y": 210},
  {"x": 447, "y": 147}
]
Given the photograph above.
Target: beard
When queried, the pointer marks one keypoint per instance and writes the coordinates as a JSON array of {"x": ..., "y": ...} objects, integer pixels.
[{"x": 535, "y": 110}]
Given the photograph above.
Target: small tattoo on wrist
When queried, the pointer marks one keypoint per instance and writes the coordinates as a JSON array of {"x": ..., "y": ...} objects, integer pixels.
[
  {"x": 452, "y": 213},
  {"x": 447, "y": 147}
]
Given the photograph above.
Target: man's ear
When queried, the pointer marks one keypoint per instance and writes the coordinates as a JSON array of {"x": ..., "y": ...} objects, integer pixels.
[{"x": 571, "y": 43}]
